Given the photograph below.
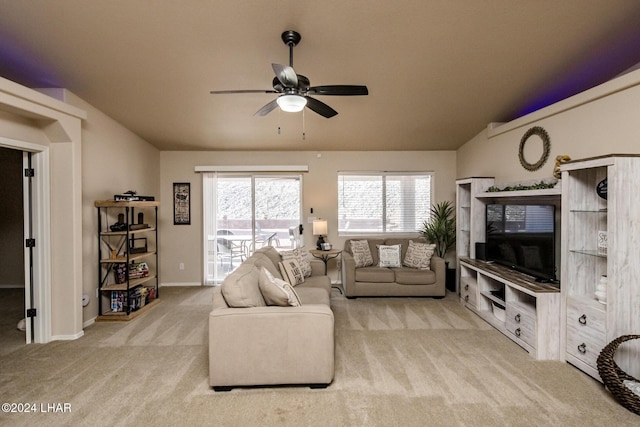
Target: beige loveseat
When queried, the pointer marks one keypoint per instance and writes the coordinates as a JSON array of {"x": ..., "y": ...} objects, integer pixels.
[
  {"x": 374, "y": 280},
  {"x": 268, "y": 345}
]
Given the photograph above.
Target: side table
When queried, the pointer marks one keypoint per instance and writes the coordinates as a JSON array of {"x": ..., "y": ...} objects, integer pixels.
[{"x": 325, "y": 256}]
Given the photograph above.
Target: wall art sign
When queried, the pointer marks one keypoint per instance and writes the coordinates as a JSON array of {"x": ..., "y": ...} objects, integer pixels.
[{"x": 181, "y": 203}]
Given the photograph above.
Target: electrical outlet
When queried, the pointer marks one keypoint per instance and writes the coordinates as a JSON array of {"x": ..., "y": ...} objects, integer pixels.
[{"x": 181, "y": 266}]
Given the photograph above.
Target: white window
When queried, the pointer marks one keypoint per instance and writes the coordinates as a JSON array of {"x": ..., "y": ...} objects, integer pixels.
[{"x": 383, "y": 202}]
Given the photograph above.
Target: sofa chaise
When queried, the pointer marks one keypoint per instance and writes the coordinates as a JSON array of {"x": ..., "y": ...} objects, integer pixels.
[{"x": 252, "y": 343}]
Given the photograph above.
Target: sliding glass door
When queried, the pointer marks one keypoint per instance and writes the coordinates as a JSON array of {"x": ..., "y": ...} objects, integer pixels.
[{"x": 243, "y": 213}]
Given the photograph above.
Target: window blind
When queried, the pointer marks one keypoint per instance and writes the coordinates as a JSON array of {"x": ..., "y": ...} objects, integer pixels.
[{"x": 383, "y": 202}]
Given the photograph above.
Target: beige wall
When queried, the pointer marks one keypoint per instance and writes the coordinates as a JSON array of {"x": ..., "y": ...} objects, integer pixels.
[
  {"x": 114, "y": 160},
  {"x": 600, "y": 121},
  {"x": 183, "y": 243}
]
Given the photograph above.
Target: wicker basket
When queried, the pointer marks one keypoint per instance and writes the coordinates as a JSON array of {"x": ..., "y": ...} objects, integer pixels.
[{"x": 613, "y": 376}]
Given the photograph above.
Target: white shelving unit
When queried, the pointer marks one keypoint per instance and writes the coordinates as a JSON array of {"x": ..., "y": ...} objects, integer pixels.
[
  {"x": 587, "y": 324},
  {"x": 470, "y": 226}
]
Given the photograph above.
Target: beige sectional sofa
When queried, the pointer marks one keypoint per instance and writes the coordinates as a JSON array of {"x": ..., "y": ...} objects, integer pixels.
[
  {"x": 374, "y": 280},
  {"x": 252, "y": 343}
]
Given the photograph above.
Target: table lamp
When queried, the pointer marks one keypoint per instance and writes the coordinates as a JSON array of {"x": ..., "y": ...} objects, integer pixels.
[{"x": 319, "y": 229}]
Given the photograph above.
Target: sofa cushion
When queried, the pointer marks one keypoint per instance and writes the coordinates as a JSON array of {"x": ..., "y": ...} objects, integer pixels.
[
  {"x": 302, "y": 256},
  {"x": 261, "y": 260},
  {"x": 276, "y": 291},
  {"x": 310, "y": 295},
  {"x": 323, "y": 282},
  {"x": 389, "y": 255},
  {"x": 413, "y": 276},
  {"x": 375, "y": 274},
  {"x": 291, "y": 271},
  {"x": 240, "y": 288},
  {"x": 419, "y": 255},
  {"x": 361, "y": 253},
  {"x": 271, "y": 252}
]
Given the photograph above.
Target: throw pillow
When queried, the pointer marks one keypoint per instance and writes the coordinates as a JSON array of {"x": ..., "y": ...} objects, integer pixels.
[
  {"x": 302, "y": 256},
  {"x": 389, "y": 255},
  {"x": 361, "y": 253},
  {"x": 291, "y": 271},
  {"x": 240, "y": 288},
  {"x": 419, "y": 255},
  {"x": 276, "y": 291}
]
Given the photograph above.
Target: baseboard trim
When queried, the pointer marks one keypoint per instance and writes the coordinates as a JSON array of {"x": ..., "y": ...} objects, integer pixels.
[
  {"x": 67, "y": 337},
  {"x": 89, "y": 322},
  {"x": 163, "y": 285}
]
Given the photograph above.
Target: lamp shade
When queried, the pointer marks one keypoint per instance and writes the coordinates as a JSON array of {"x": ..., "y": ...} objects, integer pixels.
[
  {"x": 319, "y": 227},
  {"x": 291, "y": 103}
]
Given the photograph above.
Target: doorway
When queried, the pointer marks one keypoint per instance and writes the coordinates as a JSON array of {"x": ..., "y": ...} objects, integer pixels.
[{"x": 13, "y": 286}]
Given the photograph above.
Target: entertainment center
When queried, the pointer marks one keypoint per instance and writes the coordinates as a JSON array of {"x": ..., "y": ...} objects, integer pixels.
[
  {"x": 597, "y": 254},
  {"x": 530, "y": 310},
  {"x": 525, "y": 310}
]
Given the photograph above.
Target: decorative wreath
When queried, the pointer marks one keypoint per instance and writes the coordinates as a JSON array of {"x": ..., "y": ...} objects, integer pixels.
[{"x": 546, "y": 148}]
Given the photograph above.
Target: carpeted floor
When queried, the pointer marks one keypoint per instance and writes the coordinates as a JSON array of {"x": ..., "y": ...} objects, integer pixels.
[
  {"x": 11, "y": 311},
  {"x": 399, "y": 362}
]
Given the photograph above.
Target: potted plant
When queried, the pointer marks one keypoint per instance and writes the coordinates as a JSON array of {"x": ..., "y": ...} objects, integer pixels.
[
  {"x": 441, "y": 230},
  {"x": 441, "y": 227}
]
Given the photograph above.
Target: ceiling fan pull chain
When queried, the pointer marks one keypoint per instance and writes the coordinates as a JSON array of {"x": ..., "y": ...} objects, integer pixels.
[{"x": 304, "y": 135}]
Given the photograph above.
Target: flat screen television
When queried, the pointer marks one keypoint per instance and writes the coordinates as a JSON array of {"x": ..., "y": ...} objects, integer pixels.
[{"x": 522, "y": 237}]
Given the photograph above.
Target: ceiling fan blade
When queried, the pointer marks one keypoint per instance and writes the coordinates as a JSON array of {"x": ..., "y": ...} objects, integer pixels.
[
  {"x": 286, "y": 75},
  {"x": 339, "y": 90},
  {"x": 267, "y": 108},
  {"x": 218, "y": 92},
  {"x": 320, "y": 107}
]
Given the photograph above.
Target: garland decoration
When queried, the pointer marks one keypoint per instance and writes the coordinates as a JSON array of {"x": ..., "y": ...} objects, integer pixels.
[{"x": 539, "y": 186}]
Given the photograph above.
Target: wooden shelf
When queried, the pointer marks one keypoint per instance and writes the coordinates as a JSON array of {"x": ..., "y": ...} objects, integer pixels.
[
  {"x": 132, "y": 284},
  {"x": 122, "y": 316},
  {"x": 124, "y": 233},
  {"x": 121, "y": 259},
  {"x": 516, "y": 279},
  {"x": 121, "y": 247},
  {"x": 132, "y": 204},
  {"x": 555, "y": 192}
]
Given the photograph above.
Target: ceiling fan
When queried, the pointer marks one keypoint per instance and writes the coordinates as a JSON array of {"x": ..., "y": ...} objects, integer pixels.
[{"x": 295, "y": 89}]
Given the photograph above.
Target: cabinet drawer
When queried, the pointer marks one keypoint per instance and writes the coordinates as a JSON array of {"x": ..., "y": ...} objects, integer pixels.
[
  {"x": 585, "y": 317},
  {"x": 585, "y": 332},
  {"x": 468, "y": 292},
  {"x": 521, "y": 323}
]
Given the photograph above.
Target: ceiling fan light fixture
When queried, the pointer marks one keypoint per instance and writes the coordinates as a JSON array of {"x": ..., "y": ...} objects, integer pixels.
[{"x": 291, "y": 103}]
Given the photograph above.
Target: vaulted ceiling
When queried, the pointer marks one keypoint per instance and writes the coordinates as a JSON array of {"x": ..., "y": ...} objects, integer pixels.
[{"x": 438, "y": 71}]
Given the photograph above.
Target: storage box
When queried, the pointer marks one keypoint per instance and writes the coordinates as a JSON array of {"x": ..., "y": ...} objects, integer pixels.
[{"x": 498, "y": 311}]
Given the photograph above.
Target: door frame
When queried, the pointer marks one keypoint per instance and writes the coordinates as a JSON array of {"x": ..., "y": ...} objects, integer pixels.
[{"x": 41, "y": 220}]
